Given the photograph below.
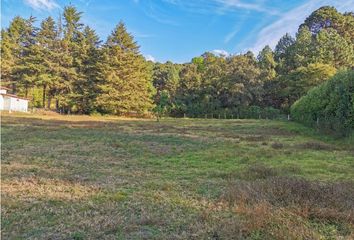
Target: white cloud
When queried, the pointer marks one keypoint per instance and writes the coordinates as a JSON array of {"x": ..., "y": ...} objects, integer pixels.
[
  {"x": 221, "y": 6},
  {"x": 220, "y": 52},
  {"x": 258, "y": 7},
  {"x": 236, "y": 29},
  {"x": 232, "y": 34},
  {"x": 290, "y": 21},
  {"x": 150, "y": 58},
  {"x": 42, "y": 4}
]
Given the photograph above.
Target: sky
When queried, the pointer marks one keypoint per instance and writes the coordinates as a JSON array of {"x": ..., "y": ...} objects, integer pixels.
[{"x": 178, "y": 30}]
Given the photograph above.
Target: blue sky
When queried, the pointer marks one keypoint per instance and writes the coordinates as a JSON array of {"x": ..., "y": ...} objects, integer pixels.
[{"x": 179, "y": 30}]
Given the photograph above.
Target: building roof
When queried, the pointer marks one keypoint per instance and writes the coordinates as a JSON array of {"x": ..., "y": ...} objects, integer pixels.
[{"x": 14, "y": 96}]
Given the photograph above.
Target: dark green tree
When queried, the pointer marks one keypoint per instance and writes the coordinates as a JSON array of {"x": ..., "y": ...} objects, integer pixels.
[{"x": 125, "y": 80}]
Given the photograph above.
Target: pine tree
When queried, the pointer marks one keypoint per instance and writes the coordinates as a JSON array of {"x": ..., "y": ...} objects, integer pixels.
[
  {"x": 30, "y": 64},
  {"x": 85, "y": 87},
  {"x": 333, "y": 49},
  {"x": 11, "y": 51},
  {"x": 125, "y": 81},
  {"x": 303, "y": 49},
  {"x": 282, "y": 46},
  {"x": 70, "y": 62},
  {"x": 48, "y": 40},
  {"x": 8, "y": 58}
]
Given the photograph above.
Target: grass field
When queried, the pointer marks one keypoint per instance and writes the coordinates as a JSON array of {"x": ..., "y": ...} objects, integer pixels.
[{"x": 79, "y": 177}]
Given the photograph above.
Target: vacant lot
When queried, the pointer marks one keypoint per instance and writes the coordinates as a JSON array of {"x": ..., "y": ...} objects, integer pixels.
[{"x": 108, "y": 178}]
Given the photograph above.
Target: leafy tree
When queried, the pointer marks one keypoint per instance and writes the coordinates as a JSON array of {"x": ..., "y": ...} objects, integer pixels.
[
  {"x": 244, "y": 81},
  {"x": 329, "y": 18},
  {"x": 166, "y": 78},
  {"x": 162, "y": 105},
  {"x": 300, "y": 81},
  {"x": 188, "y": 89},
  {"x": 267, "y": 63}
]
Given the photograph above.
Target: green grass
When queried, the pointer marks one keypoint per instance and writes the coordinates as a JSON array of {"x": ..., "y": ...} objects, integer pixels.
[{"x": 79, "y": 177}]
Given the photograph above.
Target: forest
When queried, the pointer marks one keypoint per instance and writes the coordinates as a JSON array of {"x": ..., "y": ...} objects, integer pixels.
[{"x": 62, "y": 64}]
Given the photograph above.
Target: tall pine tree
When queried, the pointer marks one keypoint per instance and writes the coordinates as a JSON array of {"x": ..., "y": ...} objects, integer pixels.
[{"x": 125, "y": 80}]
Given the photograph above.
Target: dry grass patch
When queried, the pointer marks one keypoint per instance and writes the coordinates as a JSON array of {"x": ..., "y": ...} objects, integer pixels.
[
  {"x": 27, "y": 189},
  {"x": 285, "y": 208}
]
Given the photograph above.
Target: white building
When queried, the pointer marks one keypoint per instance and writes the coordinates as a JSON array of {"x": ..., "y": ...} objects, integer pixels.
[{"x": 12, "y": 102}]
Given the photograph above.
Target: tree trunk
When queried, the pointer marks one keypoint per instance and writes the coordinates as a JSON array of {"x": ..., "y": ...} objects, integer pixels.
[
  {"x": 13, "y": 88},
  {"x": 43, "y": 97},
  {"x": 49, "y": 101}
]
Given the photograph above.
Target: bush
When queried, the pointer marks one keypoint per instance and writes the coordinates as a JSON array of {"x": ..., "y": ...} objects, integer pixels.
[
  {"x": 278, "y": 207},
  {"x": 330, "y": 106}
]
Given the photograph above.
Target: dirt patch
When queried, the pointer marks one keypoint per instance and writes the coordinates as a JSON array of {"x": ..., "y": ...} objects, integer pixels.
[
  {"x": 316, "y": 146},
  {"x": 277, "y": 145}
]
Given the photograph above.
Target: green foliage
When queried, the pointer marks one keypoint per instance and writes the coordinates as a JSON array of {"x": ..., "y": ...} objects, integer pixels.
[
  {"x": 301, "y": 80},
  {"x": 329, "y": 18},
  {"x": 329, "y": 106},
  {"x": 267, "y": 63},
  {"x": 123, "y": 76},
  {"x": 166, "y": 79},
  {"x": 333, "y": 49},
  {"x": 282, "y": 46},
  {"x": 71, "y": 67},
  {"x": 163, "y": 104}
]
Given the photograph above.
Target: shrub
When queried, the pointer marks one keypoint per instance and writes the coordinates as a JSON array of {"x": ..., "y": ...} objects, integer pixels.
[
  {"x": 274, "y": 207},
  {"x": 330, "y": 106}
]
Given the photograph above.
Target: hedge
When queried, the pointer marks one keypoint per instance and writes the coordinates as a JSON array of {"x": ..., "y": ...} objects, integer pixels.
[{"x": 329, "y": 106}]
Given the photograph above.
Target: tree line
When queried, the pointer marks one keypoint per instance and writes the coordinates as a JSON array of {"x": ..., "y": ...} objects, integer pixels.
[{"x": 63, "y": 65}]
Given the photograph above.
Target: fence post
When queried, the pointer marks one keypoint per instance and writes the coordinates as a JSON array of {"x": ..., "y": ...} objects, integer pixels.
[
  {"x": 224, "y": 115},
  {"x": 219, "y": 116},
  {"x": 184, "y": 115},
  {"x": 288, "y": 117}
]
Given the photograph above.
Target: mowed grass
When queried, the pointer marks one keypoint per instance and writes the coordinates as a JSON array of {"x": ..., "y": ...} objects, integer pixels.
[{"x": 80, "y": 177}]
